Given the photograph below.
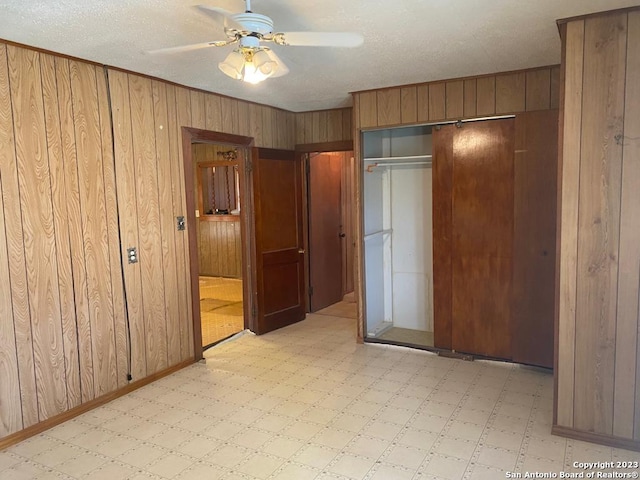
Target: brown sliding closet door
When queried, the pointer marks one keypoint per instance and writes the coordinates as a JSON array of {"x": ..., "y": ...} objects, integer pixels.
[{"x": 475, "y": 164}]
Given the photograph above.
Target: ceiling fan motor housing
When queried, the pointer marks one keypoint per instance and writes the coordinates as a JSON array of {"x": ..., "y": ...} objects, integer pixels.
[{"x": 254, "y": 22}]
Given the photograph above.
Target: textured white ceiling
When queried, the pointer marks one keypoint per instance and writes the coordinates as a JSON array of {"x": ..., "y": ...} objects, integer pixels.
[{"x": 406, "y": 41}]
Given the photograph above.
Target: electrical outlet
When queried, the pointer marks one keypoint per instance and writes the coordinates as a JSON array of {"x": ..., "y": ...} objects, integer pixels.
[{"x": 132, "y": 254}]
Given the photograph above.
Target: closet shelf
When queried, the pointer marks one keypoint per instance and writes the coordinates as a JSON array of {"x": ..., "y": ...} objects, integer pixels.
[{"x": 377, "y": 234}]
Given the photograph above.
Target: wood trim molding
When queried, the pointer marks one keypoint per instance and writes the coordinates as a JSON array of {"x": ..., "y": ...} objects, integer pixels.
[
  {"x": 592, "y": 437},
  {"x": 85, "y": 407},
  {"x": 197, "y": 135}
]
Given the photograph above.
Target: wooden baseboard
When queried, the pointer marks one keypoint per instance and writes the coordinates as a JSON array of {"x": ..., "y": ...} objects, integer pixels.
[
  {"x": 592, "y": 437},
  {"x": 85, "y": 407}
]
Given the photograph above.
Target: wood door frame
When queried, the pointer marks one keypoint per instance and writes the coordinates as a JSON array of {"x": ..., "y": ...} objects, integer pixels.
[
  {"x": 302, "y": 154},
  {"x": 191, "y": 136}
]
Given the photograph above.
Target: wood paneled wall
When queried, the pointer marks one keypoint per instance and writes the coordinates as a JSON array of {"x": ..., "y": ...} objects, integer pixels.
[
  {"x": 324, "y": 126},
  {"x": 220, "y": 249},
  {"x": 499, "y": 94},
  {"x": 598, "y": 354},
  {"x": 73, "y": 198},
  {"x": 62, "y": 322}
]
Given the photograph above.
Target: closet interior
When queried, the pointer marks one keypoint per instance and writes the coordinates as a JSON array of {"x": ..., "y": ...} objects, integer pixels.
[{"x": 398, "y": 233}]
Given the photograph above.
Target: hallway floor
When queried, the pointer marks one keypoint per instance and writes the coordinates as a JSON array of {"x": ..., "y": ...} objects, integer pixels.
[
  {"x": 221, "y": 312},
  {"x": 307, "y": 402}
]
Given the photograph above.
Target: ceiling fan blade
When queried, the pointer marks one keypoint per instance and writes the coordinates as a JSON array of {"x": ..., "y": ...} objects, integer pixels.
[
  {"x": 221, "y": 15},
  {"x": 282, "y": 68},
  {"x": 319, "y": 39},
  {"x": 185, "y": 48}
]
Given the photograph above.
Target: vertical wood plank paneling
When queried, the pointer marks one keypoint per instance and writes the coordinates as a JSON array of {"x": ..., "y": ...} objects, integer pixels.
[
  {"x": 422, "y": 95},
  {"x": 128, "y": 206},
  {"x": 15, "y": 249},
  {"x": 38, "y": 227},
  {"x": 347, "y": 124},
  {"x": 358, "y": 222},
  {"x": 454, "y": 105},
  {"x": 255, "y": 123},
  {"x": 149, "y": 229},
  {"x": 368, "y": 109},
  {"x": 213, "y": 113},
  {"x": 320, "y": 126},
  {"x": 243, "y": 119},
  {"x": 299, "y": 135},
  {"x": 228, "y": 109},
  {"x": 111, "y": 206},
  {"x": 538, "y": 89},
  {"x": 183, "y": 115},
  {"x": 267, "y": 126},
  {"x": 94, "y": 224},
  {"x": 198, "y": 110},
  {"x": 408, "y": 105},
  {"x": 628, "y": 314},
  {"x": 599, "y": 221},
  {"x": 389, "y": 111},
  {"x": 486, "y": 95},
  {"x": 291, "y": 130},
  {"x": 307, "y": 127},
  {"x": 61, "y": 228},
  {"x": 569, "y": 182},
  {"x": 76, "y": 238},
  {"x": 631, "y": 151},
  {"x": 437, "y": 102},
  {"x": 470, "y": 98},
  {"x": 554, "y": 96},
  {"x": 510, "y": 93},
  {"x": 235, "y": 119},
  {"x": 317, "y": 126},
  {"x": 167, "y": 219},
  {"x": 335, "y": 126},
  {"x": 10, "y": 405}
]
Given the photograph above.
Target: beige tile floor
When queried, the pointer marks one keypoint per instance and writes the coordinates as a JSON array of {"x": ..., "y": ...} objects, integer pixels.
[{"x": 307, "y": 402}]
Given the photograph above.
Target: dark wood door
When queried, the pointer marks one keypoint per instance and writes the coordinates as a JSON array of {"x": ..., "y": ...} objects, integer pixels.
[
  {"x": 482, "y": 237},
  {"x": 277, "y": 190},
  {"x": 442, "y": 274},
  {"x": 325, "y": 230},
  {"x": 534, "y": 259}
]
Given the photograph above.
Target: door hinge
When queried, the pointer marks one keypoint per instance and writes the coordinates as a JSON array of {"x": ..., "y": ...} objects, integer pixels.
[
  {"x": 310, "y": 290},
  {"x": 253, "y": 310}
]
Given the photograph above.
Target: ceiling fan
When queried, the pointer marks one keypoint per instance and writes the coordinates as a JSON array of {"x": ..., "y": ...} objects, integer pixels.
[{"x": 250, "y": 61}]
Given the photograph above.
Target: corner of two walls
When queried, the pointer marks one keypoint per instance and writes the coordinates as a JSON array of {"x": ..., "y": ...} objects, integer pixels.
[{"x": 91, "y": 164}]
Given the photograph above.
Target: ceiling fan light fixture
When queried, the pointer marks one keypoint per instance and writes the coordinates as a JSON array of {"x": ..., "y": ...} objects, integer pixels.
[
  {"x": 233, "y": 65},
  {"x": 251, "y": 65}
]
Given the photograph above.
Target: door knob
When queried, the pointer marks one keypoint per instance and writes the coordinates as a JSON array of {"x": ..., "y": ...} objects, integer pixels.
[
  {"x": 301, "y": 250},
  {"x": 342, "y": 235}
]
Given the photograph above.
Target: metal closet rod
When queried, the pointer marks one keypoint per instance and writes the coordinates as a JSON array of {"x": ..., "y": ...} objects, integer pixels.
[
  {"x": 402, "y": 157},
  {"x": 395, "y": 164}
]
